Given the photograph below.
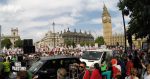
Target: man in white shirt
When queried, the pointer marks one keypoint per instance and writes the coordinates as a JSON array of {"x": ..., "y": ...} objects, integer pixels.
[{"x": 147, "y": 73}]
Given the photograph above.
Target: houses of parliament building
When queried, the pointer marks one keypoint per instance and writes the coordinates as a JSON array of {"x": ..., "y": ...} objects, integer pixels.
[{"x": 117, "y": 39}]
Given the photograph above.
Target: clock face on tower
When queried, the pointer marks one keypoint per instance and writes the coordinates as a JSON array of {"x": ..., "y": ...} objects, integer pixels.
[{"x": 104, "y": 18}]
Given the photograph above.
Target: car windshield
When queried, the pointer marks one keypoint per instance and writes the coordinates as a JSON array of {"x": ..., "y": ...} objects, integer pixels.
[
  {"x": 91, "y": 55},
  {"x": 36, "y": 66}
]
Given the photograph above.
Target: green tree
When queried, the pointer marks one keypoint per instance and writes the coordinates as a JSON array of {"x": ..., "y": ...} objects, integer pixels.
[
  {"x": 92, "y": 43},
  {"x": 140, "y": 16},
  {"x": 68, "y": 42},
  {"x": 18, "y": 43},
  {"x": 6, "y": 43},
  {"x": 82, "y": 43},
  {"x": 99, "y": 40},
  {"x": 73, "y": 44},
  {"x": 87, "y": 43}
]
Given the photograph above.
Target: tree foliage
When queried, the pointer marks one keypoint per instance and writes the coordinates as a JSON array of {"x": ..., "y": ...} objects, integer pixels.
[
  {"x": 70, "y": 43},
  {"x": 99, "y": 40},
  {"x": 87, "y": 43},
  {"x": 139, "y": 24},
  {"x": 6, "y": 43},
  {"x": 82, "y": 43},
  {"x": 92, "y": 43},
  {"x": 18, "y": 43}
]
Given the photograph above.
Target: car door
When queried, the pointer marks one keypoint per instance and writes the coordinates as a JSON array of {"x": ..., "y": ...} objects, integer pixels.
[{"x": 49, "y": 69}]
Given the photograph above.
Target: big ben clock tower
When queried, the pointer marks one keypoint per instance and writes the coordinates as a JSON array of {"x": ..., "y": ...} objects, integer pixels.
[{"x": 107, "y": 26}]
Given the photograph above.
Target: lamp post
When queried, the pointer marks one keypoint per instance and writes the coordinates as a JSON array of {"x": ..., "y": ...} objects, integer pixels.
[
  {"x": 54, "y": 32},
  {"x": 125, "y": 45},
  {"x": 0, "y": 38}
]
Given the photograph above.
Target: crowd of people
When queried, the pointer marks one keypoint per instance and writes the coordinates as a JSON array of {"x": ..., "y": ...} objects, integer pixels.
[
  {"x": 96, "y": 73},
  {"x": 135, "y": 65},
  {"x": 130, "y": 65}
]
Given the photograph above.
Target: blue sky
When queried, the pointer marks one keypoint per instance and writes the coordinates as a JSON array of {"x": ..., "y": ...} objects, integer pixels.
[{"x": 34, "y": 18}]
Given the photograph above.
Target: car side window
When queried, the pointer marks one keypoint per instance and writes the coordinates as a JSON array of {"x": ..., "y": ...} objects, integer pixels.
[
  {"x": 67, "y": 61},
  {"x": 50, "y": 64}
]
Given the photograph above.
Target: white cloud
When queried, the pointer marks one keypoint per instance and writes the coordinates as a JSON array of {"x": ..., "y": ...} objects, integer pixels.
[
  {"x": 94, "y": 5},
  {"x": 111, "y": 4},
  {"x": 34, "y": 33},
  {"x": 65, "y": 20},
  {"x": 97, "y": 21},
  {"x": 10, "y": 8},
  {"x": 118, "y": 25},
  {"x": 127, "y": 19},
  {"x": 97, "y": 33},
  {"x": 28, "y": 15},
  {"x": 76, "y": 13},
  {"x": 118, "y": 28}
]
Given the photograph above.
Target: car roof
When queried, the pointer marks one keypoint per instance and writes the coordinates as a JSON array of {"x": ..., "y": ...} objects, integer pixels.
[
  {"x": 57, "y": 57},
  {"x": 100, "y": 50}
]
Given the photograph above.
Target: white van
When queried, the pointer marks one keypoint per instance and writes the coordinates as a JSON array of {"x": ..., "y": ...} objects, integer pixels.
[{"x": 96, "y": 56}]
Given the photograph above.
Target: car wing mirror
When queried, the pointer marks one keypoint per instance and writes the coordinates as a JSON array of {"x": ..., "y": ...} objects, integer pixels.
[{"x": 42, "y": 72}]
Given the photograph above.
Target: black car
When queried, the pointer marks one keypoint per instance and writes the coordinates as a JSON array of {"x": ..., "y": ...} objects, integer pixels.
[{"x": 46, "y": 67}]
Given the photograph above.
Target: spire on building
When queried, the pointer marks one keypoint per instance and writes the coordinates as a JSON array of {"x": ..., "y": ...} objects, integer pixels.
[
  {"x": 61, "y": 32},
  {"x": 80, "y": 31},
  {"x": 64, "y": 30},
  {"x": 105, "y": 11},
  {"x": 14, "y": 31},
  {"x": 74, "y": 30},
  {"x": 85, "y": 32},
  {"x": 68, "y": 30}
]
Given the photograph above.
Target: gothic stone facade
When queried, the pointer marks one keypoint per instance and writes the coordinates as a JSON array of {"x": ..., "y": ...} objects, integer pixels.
[
  {"x": 13, "y": 37},
  {"x": 60, "y": 38},
  {"x": 77, "y": 37},
  {"x": 117, "y": 39}
]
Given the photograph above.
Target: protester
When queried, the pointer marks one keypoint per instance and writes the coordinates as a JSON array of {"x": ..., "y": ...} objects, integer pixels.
[
  {"x": 137, "y": 63},
  {"x": 147, "y": 73},
  {"x": 84, "y": 73},
  {"x": 116, "y": 69},
  {"x": 106, "y": 73},
  {"x": 103, "y": 66},
  {"x": 1, "y": 68},
  {"x": 122, "y": 62},
  {"x": 129, "y": 65},
  {"x": 6, "y": 68},
  {"x": 133, "y": 74},
  {"x": 61, "y": 73},
  {"x": 96, "y": 73}
]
